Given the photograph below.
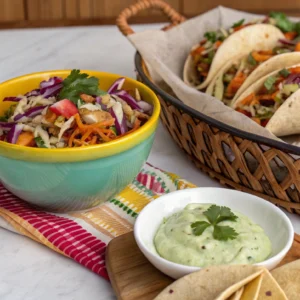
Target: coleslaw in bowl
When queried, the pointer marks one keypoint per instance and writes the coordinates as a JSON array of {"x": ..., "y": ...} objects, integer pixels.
[{"x": 77, "y": 177}]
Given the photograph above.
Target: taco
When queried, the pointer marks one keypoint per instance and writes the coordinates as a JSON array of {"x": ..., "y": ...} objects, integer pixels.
[
  {"x": 274, "y": 101},
  {"x": 237, "y": 75},
  {"x": 205, "y": 61}
]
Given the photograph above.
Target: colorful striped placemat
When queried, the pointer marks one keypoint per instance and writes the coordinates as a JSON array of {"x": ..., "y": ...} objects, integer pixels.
[{"x": 83, "y": 236}]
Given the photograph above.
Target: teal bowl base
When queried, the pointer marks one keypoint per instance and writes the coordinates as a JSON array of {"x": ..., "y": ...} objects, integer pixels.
[{"x": 65, "y": 187}]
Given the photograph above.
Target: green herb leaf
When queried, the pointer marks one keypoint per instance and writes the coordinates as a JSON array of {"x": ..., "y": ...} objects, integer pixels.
[
  {"x": 251, "y": 60},
  {"x": 79, "y": 83},
  {"x": 284, "y": 72},
  {"x": 199, "y": 227},
  {"x": 10, "y": 112},
  {"x": 282, "y": 22},
  {"x": 212, "y": 213},
  {"x": 113, "y": 128},
  {"x": 226, "y": 215},
  {"x": 238, "y": 23},
  {"x": 297, "y": 27},
  {"x": 211, "y": 36},
  {"x": 269, "y": 83},
  {"x": 224, "y": 233},
  {"x": 216, "y": 214},
  {"x": 39, "y": 142},
  {"x": 3, "y": 119}
]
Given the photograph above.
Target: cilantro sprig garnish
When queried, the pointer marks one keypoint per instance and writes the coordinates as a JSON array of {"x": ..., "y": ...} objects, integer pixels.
[
  {"x": 211, "y": 36},
  {"x": 282, "y": 21},
  {"x": 216, "y": 214},
  {"x": 79, "y": 83},
  {"x": 238, "y": 23}
]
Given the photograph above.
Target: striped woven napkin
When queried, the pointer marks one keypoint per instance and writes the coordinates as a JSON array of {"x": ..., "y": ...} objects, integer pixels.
[{"x": 83, "y": 236}]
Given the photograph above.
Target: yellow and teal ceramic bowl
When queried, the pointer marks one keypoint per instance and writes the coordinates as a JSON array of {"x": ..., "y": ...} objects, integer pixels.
[{"x": 74, "y": 178}]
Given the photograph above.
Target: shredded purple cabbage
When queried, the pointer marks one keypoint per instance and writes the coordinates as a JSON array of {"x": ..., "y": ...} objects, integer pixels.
[
  {"x": 30, "y": 113},
  {"x": 14, "y": 133}
]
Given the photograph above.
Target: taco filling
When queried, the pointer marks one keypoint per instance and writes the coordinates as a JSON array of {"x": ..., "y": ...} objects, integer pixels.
[
  {"x": 203, "y": 54},
  {"x": 229, "y": 82},
  {"x": 260, "y": 106}
]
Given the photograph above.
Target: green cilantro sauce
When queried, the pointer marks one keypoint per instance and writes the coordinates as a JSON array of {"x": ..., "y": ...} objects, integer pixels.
[{"x": 176, "y": 241}]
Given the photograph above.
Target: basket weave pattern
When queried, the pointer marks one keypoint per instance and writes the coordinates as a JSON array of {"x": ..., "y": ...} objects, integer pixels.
[{"x": 236, "y": 162}]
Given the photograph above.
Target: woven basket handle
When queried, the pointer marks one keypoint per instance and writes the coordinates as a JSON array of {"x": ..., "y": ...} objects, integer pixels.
[{"x": 122, "y": 20}]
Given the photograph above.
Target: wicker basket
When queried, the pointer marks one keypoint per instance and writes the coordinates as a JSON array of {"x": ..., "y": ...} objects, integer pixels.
[{"x": 239, "y": 160}]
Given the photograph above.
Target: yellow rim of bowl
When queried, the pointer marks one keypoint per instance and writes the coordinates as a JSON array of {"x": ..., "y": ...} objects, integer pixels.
[{"x": 84, "y": 153}]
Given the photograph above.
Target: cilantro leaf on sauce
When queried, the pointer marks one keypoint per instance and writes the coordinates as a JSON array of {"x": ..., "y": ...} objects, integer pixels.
[
  {"x": 224, "y": 233},
  {"x": 216, "y": 214},
  {"x": 79, "y": 83},
  {"x": 199, "y": 227}
]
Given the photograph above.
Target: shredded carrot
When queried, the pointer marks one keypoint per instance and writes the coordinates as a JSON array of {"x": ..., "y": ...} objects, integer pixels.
[
  {"x": 102, "y": 135},
  {"x": 290, "y": 35},
  {"x": 294, "y": 70},
  {"x": 72, "y": 137},
  {"x": 297, "y": 48},
  {"x": 257, "y": 120},
  {"x": 218, "y": 44},
  {"x": 86, "y": 134},
  {"x": 261, "y": 55},
  {"x": 82, "y": 126},
  {"x": 26, "y": 139},
  {"x": 239, "y": 27},
  {"x": 197, "y": 51},
  {"x": 248, "y": 99},
  {"x": 87, "y": 98},
  {"x": 93, "y": 140},
  {"x": 235, "y": 83},
  {"x": 50, "y": 116},
  {"x": 79, "y": 143}
]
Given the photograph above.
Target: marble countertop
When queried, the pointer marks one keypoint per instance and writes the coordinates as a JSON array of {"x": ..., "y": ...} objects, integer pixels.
[{"x": 30, "y": 271}]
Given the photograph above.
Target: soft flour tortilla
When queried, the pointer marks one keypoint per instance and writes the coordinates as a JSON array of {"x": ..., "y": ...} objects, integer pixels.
[
  {"x": 254, "y": 37},
  {"x": 251, "y": 290},
  {"x": 279, "y": 61},
  {"x": 212, "y": 283},
  {"x": 237, "y": 295},
  {"x": 285, "y": 120},
  {"x": 270, "y": 289},
  {"x": 288, "y": 277}
]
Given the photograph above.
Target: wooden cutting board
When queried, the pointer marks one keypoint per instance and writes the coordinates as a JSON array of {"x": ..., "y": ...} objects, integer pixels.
[{"x": 134, "y": 278}]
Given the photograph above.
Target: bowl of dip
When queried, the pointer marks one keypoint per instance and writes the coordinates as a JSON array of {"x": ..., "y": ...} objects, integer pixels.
[{"x": 183, "y": 231}]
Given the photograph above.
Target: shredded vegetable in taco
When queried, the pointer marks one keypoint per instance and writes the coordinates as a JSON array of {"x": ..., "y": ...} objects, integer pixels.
[
  {"x": 229, "y": 81},
  {"x": 260, "y": 106},
  {"x": 73, "y": 112},
  {"x": 203, "y": 54}
]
